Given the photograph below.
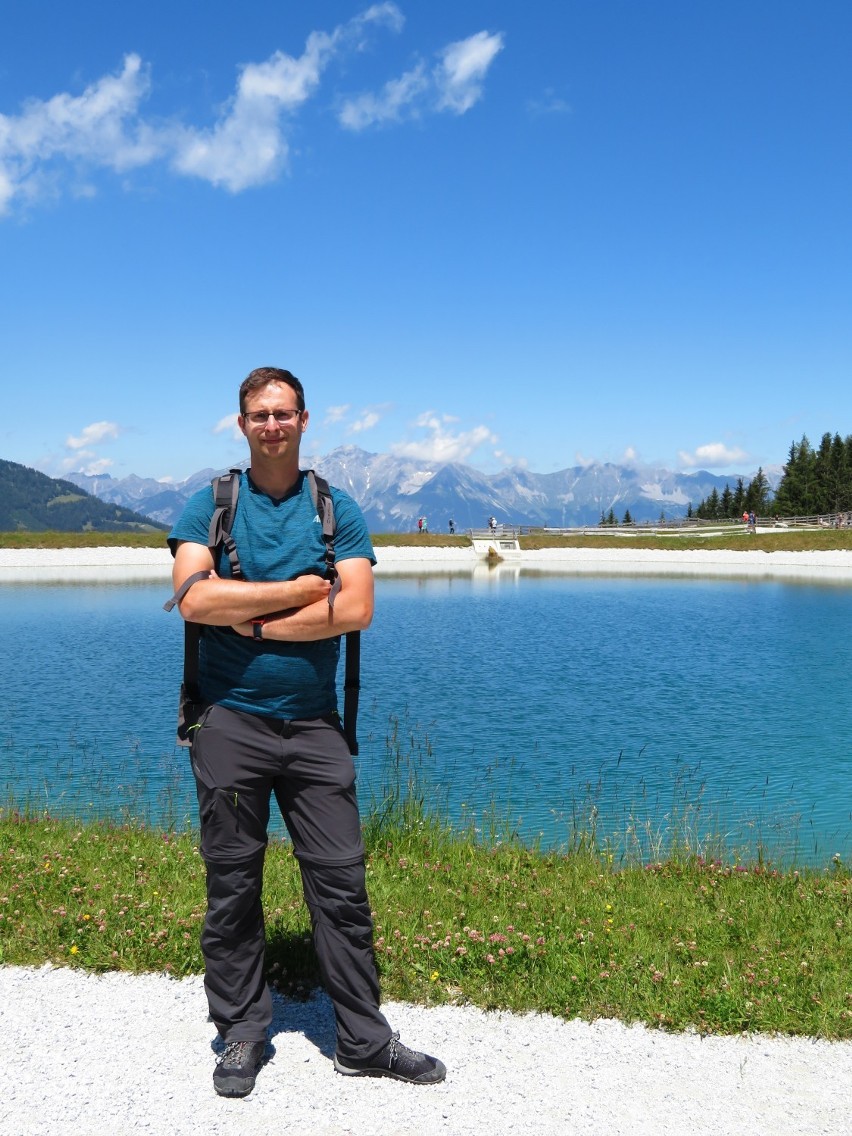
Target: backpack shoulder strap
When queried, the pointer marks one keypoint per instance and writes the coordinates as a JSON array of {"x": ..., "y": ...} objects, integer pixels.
[
  {"x": 226, "y": 491},
  {"x": 321, "y": 495}
]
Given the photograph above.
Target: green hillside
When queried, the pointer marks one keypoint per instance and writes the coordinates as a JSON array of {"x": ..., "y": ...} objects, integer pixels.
[{"x": 32, "y": 502}]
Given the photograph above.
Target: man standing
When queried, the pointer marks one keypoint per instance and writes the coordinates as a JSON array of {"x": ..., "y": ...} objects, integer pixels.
[{"x": 269, "y": 649}]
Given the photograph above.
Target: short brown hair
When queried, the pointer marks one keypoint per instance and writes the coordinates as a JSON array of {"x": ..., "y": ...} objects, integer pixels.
[{"x": 263, "y": 376}]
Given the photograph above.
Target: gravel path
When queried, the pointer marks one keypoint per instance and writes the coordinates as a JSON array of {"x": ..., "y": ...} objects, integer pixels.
[{"x": 113, "y": 1054}]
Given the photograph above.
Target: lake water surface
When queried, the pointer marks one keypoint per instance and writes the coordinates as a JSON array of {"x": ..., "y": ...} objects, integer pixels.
[{"x": 640, "y": 705}]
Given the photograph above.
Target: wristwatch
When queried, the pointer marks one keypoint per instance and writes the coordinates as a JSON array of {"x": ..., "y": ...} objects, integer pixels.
[{"x": 257, "y": 628}]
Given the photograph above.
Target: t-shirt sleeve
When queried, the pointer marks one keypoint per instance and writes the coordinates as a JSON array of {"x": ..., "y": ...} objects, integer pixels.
[
  {"x": 351, "y": 536},
  {"x": 194, "y": 522}
]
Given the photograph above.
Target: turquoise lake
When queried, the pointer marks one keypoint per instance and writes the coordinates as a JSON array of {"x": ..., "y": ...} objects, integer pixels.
[{"x": 638, "y": 706}]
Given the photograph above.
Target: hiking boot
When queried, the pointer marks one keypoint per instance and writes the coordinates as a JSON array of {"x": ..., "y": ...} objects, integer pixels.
[
  {"x": 394, "y": 1060},
  {"x": 237, "y": 1068}
]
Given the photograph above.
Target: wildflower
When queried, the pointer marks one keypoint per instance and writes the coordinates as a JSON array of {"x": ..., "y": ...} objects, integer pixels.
[
  {"x": 74, "y": 949},
  {"x": 490, "y": 959},
  {"x": 434, "y": 976}
]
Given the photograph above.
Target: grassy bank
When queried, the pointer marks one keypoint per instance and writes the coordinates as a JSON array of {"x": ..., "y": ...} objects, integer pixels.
[
  {"x": 677, "y": 944},
  {"x": 738, "y": 541}
]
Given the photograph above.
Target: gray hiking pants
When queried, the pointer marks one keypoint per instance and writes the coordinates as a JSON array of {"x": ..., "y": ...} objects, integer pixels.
[{"x": 239, "y": 761}]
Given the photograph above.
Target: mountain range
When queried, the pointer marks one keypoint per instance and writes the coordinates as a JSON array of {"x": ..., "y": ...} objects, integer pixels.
[{"x": 393, "y": 492}]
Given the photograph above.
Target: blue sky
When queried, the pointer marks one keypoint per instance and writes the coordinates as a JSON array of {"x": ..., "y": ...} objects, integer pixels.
[{"x": 537, "y": 233}]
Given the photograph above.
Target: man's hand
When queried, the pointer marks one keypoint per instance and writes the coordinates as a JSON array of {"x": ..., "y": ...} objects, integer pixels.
[{"x": 307, "y": 589}]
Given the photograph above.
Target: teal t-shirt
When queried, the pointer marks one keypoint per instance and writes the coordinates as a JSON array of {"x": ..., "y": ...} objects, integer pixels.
[{"x": 276, "y": 540}]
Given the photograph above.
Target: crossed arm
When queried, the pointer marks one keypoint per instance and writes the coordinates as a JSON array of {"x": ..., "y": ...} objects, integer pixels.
[{"x": 294, "y": 611}]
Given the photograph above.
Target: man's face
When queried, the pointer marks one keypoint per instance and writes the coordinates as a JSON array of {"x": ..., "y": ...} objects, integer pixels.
[{"x": 268, "y": 435}]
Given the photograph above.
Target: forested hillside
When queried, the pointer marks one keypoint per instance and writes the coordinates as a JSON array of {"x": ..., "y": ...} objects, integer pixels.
[{"x": 32, "y": 502}]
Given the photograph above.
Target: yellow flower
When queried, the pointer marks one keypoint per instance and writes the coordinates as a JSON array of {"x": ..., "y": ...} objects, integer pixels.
[
  {"x": 74, "y": 949},
  {"x": 86, "y": 918},
  {"x": 434, "y": 976}
]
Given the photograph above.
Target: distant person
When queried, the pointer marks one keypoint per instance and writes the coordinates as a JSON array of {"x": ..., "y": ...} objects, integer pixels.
[
  {"x": 425, "y": 525},
  {"x": 268, "y": 724},
  {"x": 492, "y": 524},
  {"x": 752, "y": 522},
  {"x": 420, "y": 524},
  {"x": 452, "y": 525},
  {"x": 745, "y": 517}
]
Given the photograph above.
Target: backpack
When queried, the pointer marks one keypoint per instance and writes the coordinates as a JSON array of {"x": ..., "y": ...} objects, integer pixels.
[{"x": 226, "y": 490}]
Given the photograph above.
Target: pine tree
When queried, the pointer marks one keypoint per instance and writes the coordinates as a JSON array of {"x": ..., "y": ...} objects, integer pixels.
[
  {"x": 709, "y": 508},
  {"x": 726, "y": 503},
  {"x": 628, "y": 520},
  {"x": 757, "y": 494},
  {"x": 795, "y": 496}
]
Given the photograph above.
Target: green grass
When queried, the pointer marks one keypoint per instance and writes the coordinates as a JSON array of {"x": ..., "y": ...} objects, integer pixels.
[
  {"x": 82, "y": 540},
  {"x": 781, "y": 541},
  {"x": 678, "y": 944},
  {"x": 789, "y": 540}
]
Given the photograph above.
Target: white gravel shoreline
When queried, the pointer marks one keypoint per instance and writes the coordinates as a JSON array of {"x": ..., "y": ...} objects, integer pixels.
[
  {"x": 43, "y": 565},
  {"x": 113, "y": 1054}
]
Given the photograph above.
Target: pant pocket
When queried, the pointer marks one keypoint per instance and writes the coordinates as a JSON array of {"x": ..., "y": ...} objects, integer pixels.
[{"x": 222, "y": 836}]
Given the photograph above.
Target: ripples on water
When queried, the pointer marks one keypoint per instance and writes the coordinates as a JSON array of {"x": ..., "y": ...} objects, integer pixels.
[{"x": 641, "y": 705}]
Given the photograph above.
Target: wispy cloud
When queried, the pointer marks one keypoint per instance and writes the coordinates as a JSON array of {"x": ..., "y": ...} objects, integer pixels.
[
  {"x": 92, "y": 435},
  {"x": 61, "y": 143},
  {"x": 335, "y": 414},
  {"x": 367, "y": 421},
  {"x": 548, "y": 102},
  {"x": 454, "y": 84},
  {"x": 712, "y": 455},
  {"x": 442, "y": 444},
  {"x": 98, "y": 128},
  {"x": 228, "y": 424},
  {"x": 83, "y": 457}
]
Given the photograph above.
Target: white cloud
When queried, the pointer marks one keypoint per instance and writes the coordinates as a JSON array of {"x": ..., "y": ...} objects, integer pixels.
[
  {"x": 366, "y": 422},
  {"x": 441, "y": 444},
  {"x": 91, "y": 435},
  {"x": 101, "y": 465},
  {"x": 335, "y": 414},
  {"x": 100, "y": 127},
  {"x": 247, "y": 146},
  {"x": 454, "y": 84},
  {"x": 397, "y": 97},
  {"x": 511, "y": 461},
  {"x": 548, "y": 103},
  {"x": 463, "y": 68},
  {"x": 228, "y": 423},
  {"x": 712, "y": 455}
]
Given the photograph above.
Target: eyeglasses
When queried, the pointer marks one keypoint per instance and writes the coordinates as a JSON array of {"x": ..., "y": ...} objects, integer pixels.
[{"x": 261, "y": 417}]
